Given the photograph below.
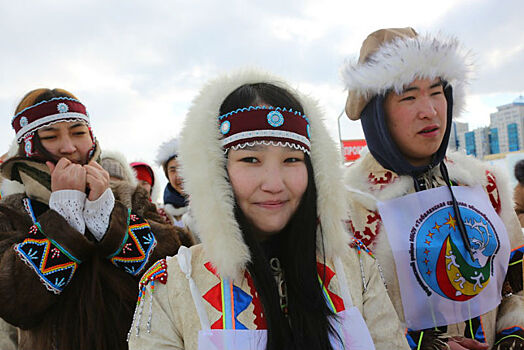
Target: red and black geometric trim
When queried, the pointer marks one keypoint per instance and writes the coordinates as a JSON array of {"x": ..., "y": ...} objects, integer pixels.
[{"x": 136, "y": 247}]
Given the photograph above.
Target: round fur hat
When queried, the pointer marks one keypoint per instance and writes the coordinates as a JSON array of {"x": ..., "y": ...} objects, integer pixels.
[
  {"x": 392, "y": 58},
  {"x": 211, "y": 196}
]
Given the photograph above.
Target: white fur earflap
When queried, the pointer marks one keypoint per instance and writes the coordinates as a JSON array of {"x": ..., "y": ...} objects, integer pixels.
[
  {"x": 211, "y": 196},
  {"x": 166, "y": 150},
  {"x": 399, "y": 62}
]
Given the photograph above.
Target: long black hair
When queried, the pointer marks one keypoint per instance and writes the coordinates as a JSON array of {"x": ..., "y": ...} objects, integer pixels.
[{"x": 307, "y": 325}]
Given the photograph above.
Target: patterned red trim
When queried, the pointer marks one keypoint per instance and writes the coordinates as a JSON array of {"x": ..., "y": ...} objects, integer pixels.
[
  {"x": 258, "y": 311},
  {"x": 493, "y": 192},
  {"x": 371, "y": 228}
]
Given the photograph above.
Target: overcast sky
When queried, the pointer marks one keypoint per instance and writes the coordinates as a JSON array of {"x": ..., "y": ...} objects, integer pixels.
[{"x": 136, "y": 65}]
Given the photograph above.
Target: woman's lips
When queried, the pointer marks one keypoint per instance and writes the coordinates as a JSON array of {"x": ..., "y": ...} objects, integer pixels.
[{"x": 271, "y": 204}]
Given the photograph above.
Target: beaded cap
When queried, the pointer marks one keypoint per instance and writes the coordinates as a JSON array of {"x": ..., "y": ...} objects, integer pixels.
[{"x": 265, "y": 125}]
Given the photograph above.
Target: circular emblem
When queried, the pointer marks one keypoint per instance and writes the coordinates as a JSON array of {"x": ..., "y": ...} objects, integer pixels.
[
  {"x": 275, "y": 118},
  {"x": 443, "y": 262},
  {"x": 28, "y": 147},
  {"x": 224, "y": 127},
  {"x": 23, "y": 122},
  {"x": 62, "y": 107}
]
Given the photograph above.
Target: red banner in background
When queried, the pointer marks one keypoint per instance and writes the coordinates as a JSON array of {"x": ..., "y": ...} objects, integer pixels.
[{"x": 351, "y": 149}]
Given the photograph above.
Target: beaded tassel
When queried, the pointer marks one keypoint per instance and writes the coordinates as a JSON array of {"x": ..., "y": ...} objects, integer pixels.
[{"x": 150, "y": 307}]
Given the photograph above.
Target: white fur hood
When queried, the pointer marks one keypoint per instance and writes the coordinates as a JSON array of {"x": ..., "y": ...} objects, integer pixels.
[{"x": 211, "y": 196}]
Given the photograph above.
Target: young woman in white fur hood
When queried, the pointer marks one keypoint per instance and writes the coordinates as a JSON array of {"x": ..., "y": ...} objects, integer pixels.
[{"x": 275, "y": 269}]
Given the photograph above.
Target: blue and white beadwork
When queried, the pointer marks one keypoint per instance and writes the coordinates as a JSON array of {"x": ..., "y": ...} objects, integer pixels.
[
  {"x": 28, "y": 147},
  {"x": 225, "y": 127},
  {"x": 307, "y": 129},
  {"x": 23, "y": 121},
  {"x": 275, "y": 119},
  {"x": 62, "y": 107}
]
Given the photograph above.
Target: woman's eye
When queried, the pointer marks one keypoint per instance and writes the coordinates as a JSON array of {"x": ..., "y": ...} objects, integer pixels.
[
  {"x": 249, "y": 160},
  {"x": 47, "y": 137},
  {"x": 293, "y": 160},
  {"x": 79, "y": 133},
  {"x": 436, "y": 93}
]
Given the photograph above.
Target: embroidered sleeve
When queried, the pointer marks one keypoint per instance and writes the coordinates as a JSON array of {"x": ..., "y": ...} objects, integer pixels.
[
  {"x": 69, "y": 204},
  {"x": 136, "y": 247},
  {"x": 98, "y": 212},
  {"x": 53, "y": 264},
  {"x": 510, "y": 338}
]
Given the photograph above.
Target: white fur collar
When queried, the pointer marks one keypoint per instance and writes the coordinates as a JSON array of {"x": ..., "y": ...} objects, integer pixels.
[{"x": 211, "y": 197}]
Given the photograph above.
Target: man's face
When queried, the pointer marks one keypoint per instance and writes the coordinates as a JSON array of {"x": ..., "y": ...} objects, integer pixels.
[
  {"x": 174, "y": 178},
  {"x": 416, "y": 119}
]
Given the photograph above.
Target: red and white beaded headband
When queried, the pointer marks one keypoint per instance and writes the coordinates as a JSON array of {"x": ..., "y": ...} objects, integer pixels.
[
  {"x": 267, "y": 125},
  {"x": 45, "y": 113}
]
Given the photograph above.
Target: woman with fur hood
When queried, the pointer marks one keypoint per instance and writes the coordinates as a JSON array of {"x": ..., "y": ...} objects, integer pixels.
[
  {"x": 275, "y": 269},
  {"x": 441, "y": 225},
  {"x": 72, "y": 248}
]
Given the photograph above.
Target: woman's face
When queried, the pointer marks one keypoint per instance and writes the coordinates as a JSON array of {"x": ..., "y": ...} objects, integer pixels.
[
  {"x": 69, "y": 140},
  {"x": 268, "y": 182}
]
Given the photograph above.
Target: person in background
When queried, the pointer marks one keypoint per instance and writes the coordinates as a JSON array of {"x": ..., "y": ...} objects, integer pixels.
[
  {"x": 115, "y": 163},
  {"x": 518, "y": 193},
  {"x": 275, "y": 269},
  {"x": 145, "y": 176},
  {"x": 175, "y": 200},
  {"x": 441, "y": 224},
  {"x": 72, "y": 246}
]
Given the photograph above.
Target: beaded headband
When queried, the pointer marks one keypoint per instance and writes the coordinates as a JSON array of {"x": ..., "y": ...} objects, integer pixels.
[
  {"x": 58, "y": 109},
  {"x": 267, "y": 125}
]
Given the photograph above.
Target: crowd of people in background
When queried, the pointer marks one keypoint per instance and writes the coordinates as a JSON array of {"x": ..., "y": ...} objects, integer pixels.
[{"x": 262, "y": 239}]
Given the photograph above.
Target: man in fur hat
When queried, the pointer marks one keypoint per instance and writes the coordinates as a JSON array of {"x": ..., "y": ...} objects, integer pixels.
[
  {"x": 175, "y": 200},
  {"x": 441, "y": 225}
]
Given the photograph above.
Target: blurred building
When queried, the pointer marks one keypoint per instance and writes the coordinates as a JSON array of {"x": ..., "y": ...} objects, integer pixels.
[
  {"x": 457, "y": 139},
  {"x": 504, "y": 134},
  {"x": 507, "y": 127}
]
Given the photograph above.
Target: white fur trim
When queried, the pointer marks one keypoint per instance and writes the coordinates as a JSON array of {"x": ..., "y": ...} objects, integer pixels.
[
  {"x": 171, "y": 210},
  {"x": 166, "y": 150},
  {"x": 129, "y": 173},
  {"x": 9, "y": 187},
  {"x": 399, "y": 62},
  {"x": 212, "y": 200}
]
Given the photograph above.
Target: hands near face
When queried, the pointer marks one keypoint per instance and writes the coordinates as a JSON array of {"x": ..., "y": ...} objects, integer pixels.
[{"x": 66, "y": 175}]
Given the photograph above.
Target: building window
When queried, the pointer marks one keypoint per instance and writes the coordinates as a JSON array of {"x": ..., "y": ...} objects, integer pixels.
[
  {"x": 513, "y": 137},
  {"x": 494, "y": 141},
  {"x": 470, "y": 143}
]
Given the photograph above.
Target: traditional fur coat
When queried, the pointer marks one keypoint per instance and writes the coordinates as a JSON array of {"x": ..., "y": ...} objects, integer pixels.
[
  {"x": 368, "y": 182},
  {"x": 65, "y": 290}
]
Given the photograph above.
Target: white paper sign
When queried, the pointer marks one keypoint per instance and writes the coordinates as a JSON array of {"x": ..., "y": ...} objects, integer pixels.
[{"x": 439, "y": 281}]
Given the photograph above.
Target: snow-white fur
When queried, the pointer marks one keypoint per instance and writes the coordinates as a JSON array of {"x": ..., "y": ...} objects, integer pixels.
[
  {"x": 166, "y": 150},
  {"x": 398, "y": 63},
  {"x": 203, "y": 167}
]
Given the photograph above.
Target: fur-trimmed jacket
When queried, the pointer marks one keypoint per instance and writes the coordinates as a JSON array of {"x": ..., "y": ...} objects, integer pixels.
[
  {"x": 64, "y": 289},
  {"x": 175, "y": 322},
  {"x": 368, "y": 182}
]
